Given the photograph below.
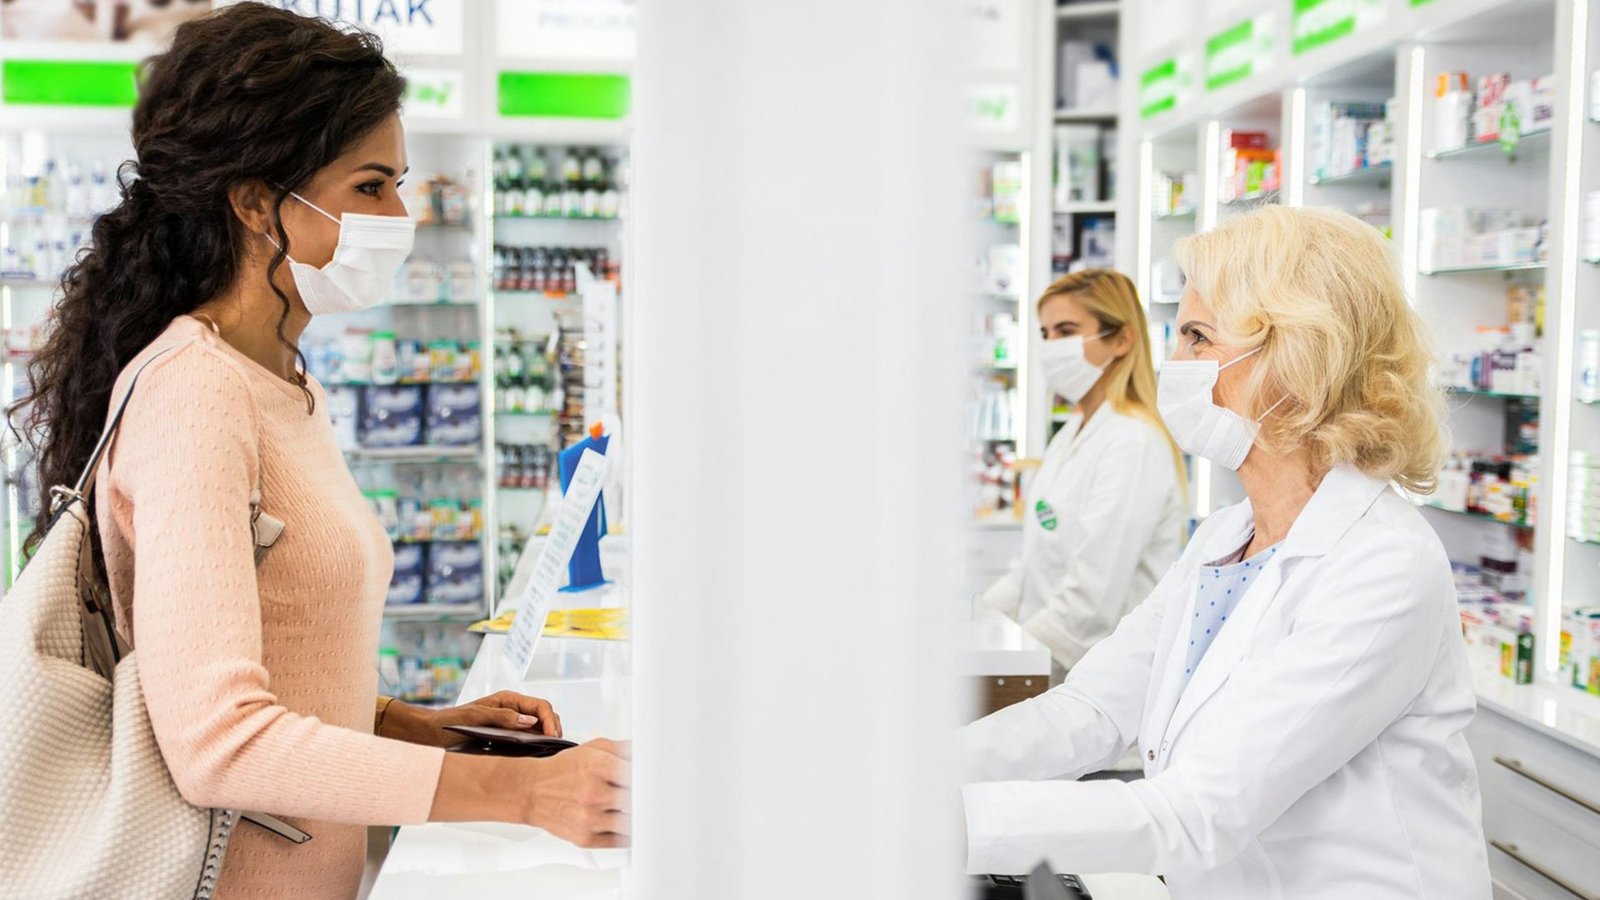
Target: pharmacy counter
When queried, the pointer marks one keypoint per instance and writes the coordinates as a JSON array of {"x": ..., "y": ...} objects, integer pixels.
[{"x": 590, "y": 683}]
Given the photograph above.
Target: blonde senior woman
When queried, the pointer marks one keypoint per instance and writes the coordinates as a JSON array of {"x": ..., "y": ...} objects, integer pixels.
[{"x": 1296, "y": 684}]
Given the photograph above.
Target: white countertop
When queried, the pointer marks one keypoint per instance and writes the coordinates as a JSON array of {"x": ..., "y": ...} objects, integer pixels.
[
  {"x": 996, "y": 645},
  {"x": 1566, "y": 714}
]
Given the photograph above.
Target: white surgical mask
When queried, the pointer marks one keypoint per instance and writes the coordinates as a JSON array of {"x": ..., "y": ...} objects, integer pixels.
[
  {"x": 1198, "y": 424},
  {"x": 370, "y": 252},
  {"x": 1066, "y": 370}
]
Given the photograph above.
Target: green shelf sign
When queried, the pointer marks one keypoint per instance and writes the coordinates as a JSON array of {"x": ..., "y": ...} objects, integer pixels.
[
  {"x": 1158, "y": 88},
  {"x": 567, "y": 95},
  {"x": 1231, "y": 55},
  {"x": 40, "y": 82},
  {"x": 1318, "y": 23}
]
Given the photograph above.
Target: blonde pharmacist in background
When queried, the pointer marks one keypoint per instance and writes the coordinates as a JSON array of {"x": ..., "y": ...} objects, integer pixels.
[
  {"x": 1296, "y": 684},
  {"x": 1104, "y": 516}
]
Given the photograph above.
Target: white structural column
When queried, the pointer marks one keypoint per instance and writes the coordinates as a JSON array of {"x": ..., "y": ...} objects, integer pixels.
[{"x": 797, "y": 407}]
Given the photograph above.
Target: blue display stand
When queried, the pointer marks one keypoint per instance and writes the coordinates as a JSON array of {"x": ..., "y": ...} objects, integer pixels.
[{"x": 583, "y": 571}]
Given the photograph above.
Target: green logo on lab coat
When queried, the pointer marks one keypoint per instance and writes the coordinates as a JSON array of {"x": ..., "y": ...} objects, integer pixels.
[{"x": 1046, "y": 515}]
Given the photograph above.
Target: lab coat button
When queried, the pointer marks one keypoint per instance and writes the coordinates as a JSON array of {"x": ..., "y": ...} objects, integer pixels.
[{"x": 1152, "y": 756}]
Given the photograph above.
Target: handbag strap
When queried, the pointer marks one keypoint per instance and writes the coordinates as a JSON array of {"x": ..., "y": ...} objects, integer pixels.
[{"x": 61, "y": 495}]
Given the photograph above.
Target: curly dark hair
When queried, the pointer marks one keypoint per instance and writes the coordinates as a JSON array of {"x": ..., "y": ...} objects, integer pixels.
[{"x": 247, "y": 92}]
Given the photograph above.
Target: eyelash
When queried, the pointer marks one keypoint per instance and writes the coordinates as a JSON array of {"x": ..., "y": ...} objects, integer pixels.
[
  {"x": 1195, "y": 338},
  {"x": 371, "y": 188}
]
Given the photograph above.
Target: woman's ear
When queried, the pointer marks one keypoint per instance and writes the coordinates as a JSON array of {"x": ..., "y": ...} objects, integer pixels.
[
  {"x": 1122, "y": 341},
  {"x": 252, "y": 203}
]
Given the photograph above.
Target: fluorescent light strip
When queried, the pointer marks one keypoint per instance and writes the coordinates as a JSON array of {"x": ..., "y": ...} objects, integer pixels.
[
  {"x": 1297, "y": 147},
  {"x": 1411, "y": 184},
  {"x": 1554, "y": 500},
  {"x": 1019, "y": 414},
  {"x": 1211, "y": 159},
  {"x": 1147, "y": 177}
]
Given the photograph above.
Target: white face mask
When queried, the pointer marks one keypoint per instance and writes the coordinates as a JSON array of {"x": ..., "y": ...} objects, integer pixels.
[
  {"x": 370, "y": 252},
  {"x": 1199, "y": 425},
  {"x": 1066, "y": 370}
]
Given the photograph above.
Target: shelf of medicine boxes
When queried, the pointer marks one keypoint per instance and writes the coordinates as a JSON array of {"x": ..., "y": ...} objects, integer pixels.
[
  {"x": 1506, "y": 267},
  {"x": 1469, "y": 392},
  {"x": 435, "y": 612},
  {"x": 1482, "y": 517}
]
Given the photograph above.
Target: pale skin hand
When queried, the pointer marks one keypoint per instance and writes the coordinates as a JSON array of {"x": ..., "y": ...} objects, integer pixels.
[{"x": 581, "y": 795}]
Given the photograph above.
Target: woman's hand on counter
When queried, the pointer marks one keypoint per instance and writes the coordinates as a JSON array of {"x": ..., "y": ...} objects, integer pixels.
[
  {"x": 583, "y": 795},
  {"x": 506, "y": 709},
  {"x": 580, "y": 795}
]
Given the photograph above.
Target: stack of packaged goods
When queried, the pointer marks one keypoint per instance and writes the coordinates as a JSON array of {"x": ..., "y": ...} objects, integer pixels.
[
  {"x": 1250, "y": 169},
  {"x": 1496, "y": 620},
  {"x": 1580, "y": 648},
  {"x": 1351, "y": 137},
  {"x": 46, "y": 212},
  {"x": 1583, "y": 497},
  {"x": 385, "y": 391},
  {"x": 1500, "y": 110},
  {"x": 1458, "y": 237},
  {"x": 1173, "y": 193},
  {"x": 1499, "y": 487},
  {"x": 424, "y": 665},
  {"x": 436, "y": 523}
]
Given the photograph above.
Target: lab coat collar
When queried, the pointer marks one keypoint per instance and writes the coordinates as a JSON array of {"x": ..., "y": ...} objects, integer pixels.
[
  {"x": 1339, "y": 502},
  {"x": 1343, "y": 497}
]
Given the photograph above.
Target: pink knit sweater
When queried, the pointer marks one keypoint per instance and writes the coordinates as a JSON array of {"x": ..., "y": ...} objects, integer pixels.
[{"x": 260, "y": 681}]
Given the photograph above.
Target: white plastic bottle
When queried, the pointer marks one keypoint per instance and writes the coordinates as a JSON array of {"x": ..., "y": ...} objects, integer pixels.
[{"x": 385, "y": 358}]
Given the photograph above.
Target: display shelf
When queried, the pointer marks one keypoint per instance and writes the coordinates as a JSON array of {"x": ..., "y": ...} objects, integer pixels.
[
  {"x": 1085, "y": 116},
  {"x": 513, "y": 217},
  {"x": 1252, "y": 198},
  {"x": 1590, "y": 402},
  {"x": 1175, "y": 214},
  {"x": 534, "y": 295},
  {"x": 1503, "y": 395},
  {"x": 1098, "y": 206},
  {"x": 1099, "y": 9},
  {"x": 1374, "y": 175},
  {"x": 29, "y": 283},
  {"x": 998, "y": 523},
  {"x": 416, "y": 454},
  {"x": 1578, "y": 540},
  {"x": 1536, "y": 138},
  {"x": 1467, "y": 270},
  {"x": 1521, "y": 526},
  {"x": 428, "y": 304},
  {"x": 527, "y": 414},
  {"x": 435, "y": 612}
]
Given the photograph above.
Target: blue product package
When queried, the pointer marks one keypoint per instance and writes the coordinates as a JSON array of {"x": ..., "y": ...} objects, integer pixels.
[
  {"x": 391, "y": 416},
  {"x": 455, "y": 414},
  {"x": 583, "y": 570},
  {"x": 455, "y": 572}
]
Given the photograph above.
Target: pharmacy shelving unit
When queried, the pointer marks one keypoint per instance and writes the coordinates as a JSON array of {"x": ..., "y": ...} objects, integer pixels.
[
  {"x": 1395, "y": 49},
  {"x": 37, "y": 234}
]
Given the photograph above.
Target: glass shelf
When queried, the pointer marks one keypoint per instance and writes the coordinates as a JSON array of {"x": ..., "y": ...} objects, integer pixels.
[
  {"x": 1258, "y": 197},
  {"x": 443, "y": 612},
  {"x": 419, "y": 455},
  {"x": 1175, "y": 214},
  {"x": 1471, "y": 392},
  {"x": 527, "y": 414},
  {"x": 1520, "y": 526},
  {"x": 1372, "y": 175},
  {"x": 1488, "y": 148},
  {"x": 1510, "y": 267},
  {"x": 509, "y": 217},
  {"x": 1578, "y": 540}
]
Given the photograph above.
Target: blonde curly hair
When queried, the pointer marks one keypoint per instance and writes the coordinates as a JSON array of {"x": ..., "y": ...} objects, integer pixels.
[{"x": 1319, "y": 292}]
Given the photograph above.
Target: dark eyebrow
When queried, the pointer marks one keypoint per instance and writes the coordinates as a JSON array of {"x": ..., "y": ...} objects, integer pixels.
[{"x": 380, "y": 167}]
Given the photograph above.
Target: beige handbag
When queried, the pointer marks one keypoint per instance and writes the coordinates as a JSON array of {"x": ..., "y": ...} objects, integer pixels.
[{"x": 88, "y": 809}]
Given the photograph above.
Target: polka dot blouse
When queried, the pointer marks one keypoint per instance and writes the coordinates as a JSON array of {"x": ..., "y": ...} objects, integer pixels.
[{"x": 1221, "y": 586}]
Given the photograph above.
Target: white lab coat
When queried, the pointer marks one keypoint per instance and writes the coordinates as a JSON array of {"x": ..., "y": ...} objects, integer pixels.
[
  {"x": 1111, "y": 492},
  {"x": 1317, "y": 753}
]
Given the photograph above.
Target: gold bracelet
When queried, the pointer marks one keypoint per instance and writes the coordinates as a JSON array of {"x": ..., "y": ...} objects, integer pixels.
[{"x": 383, "y": 709}]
